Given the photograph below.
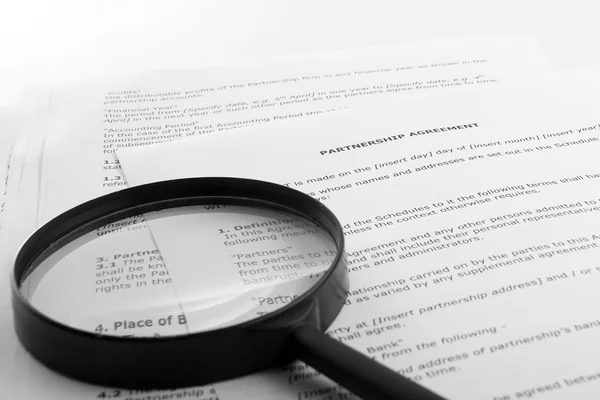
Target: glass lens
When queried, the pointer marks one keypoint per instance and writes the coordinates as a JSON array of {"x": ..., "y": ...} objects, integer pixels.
[{"x": 181, "y": 270}]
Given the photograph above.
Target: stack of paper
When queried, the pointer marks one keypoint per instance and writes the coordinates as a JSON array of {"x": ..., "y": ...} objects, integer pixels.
[{"x": 471, "y": 234}]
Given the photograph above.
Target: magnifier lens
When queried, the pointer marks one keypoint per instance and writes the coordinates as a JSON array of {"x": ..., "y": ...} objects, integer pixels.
[
  {"x": 191, "y": 282},
  {"x": 180, "y": 271}
]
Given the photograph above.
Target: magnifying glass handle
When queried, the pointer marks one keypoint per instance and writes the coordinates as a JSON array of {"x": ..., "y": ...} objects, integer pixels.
[{"x": 356, "y": 372}]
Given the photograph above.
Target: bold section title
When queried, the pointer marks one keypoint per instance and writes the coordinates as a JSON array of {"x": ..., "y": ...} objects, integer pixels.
[{"x": 397, "y": 137}]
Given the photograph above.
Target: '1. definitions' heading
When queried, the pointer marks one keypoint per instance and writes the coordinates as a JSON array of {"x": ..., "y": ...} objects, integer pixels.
[{"x": 397, "y": 137}]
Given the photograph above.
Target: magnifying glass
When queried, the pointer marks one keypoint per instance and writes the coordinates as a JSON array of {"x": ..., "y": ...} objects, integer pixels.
[{"x": 190, "y": 282}]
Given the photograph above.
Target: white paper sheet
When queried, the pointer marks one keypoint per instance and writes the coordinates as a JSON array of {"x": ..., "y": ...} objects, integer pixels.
[
  {"x": 471, "y": 234},
  {"x": 12, "y": 131},
  {"x": 8, "y": 129},
  {"x": 5, "y": 152},
  {"x": 78, "y": 161}
]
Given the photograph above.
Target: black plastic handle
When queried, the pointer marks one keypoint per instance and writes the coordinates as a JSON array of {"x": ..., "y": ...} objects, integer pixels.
[{"x": 358, "y": 373}]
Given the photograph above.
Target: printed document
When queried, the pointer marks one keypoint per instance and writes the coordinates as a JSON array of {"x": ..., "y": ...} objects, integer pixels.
[
  {"x": 472, "y": 236},
  {"x": 85, "y": 126}
]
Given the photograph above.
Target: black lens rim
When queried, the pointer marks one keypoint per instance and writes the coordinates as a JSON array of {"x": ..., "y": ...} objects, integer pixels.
[{"x": 172, "y": 361}]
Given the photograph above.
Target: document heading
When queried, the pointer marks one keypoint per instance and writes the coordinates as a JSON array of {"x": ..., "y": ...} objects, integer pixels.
[{"x": 397, "y": 137}]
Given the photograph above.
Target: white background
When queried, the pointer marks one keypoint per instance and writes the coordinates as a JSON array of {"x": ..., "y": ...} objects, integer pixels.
[{"x": 46, "y": 41}]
